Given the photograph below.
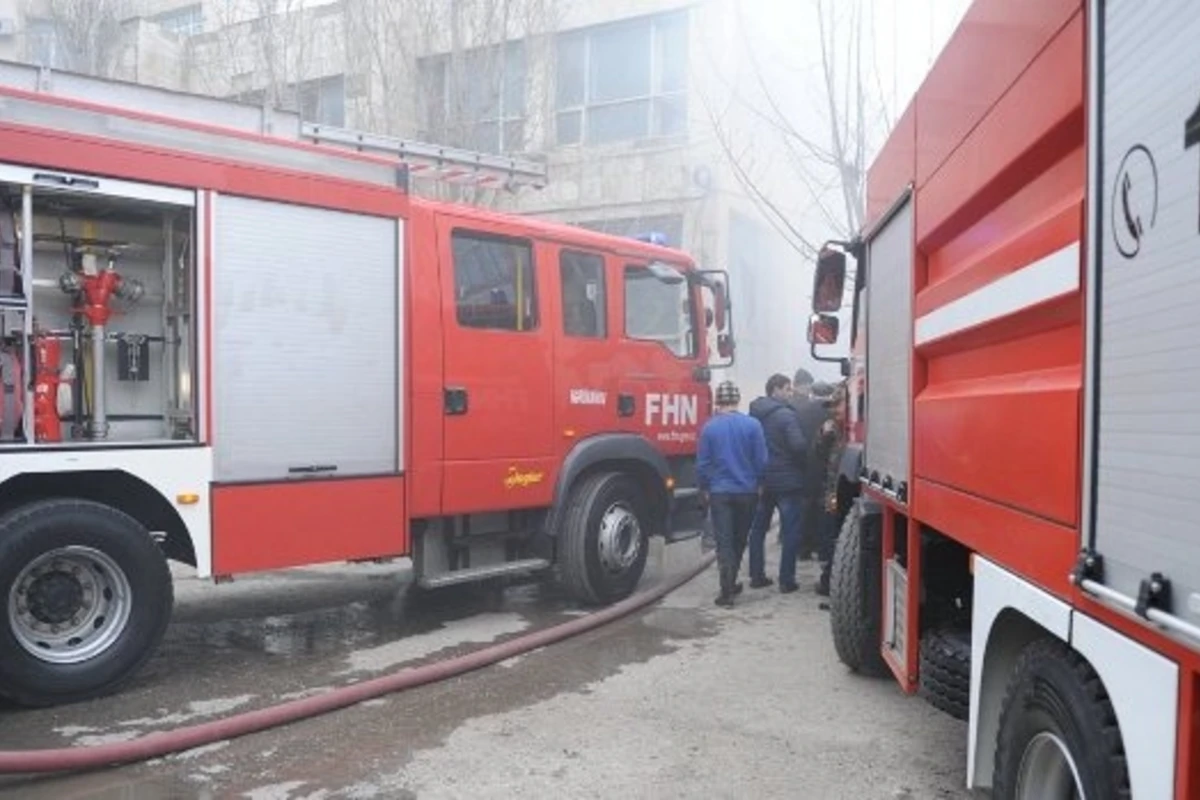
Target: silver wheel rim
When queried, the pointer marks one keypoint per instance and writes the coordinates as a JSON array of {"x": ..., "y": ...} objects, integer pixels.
[
  {"x": 1048, "y": 771},
  {"x": 69, "y": 605},
  {"x": 620, "y": 538}
]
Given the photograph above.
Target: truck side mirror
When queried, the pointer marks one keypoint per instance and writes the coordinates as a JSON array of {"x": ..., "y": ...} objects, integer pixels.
[
  {"x": 829, "y": 281},
  {"x": 725, "y": 345},
  {"x": 720, "y": 305},
  {"x": 823, "y": 329}
]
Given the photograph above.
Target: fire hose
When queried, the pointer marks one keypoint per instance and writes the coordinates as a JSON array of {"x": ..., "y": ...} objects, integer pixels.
[{"x": 165, "y": 742}]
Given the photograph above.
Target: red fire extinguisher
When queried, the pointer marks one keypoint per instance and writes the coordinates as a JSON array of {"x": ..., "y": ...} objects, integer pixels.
[{"x": 46, "y": 354}]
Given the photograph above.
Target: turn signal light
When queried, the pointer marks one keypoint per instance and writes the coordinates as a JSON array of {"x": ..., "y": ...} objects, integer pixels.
[{"x": 187, "y": 499}]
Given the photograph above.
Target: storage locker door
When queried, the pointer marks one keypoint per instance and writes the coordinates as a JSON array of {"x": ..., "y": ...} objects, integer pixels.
[
  {"x": 306, "y": 362},
  {"x": 1145, "y": 347},
  {"x": 889, "y": 347}
]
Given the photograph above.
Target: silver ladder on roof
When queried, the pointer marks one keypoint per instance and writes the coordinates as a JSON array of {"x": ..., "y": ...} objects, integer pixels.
[
  {"x": 421, "y": 159},
  {"x": 424, "y": 160}
]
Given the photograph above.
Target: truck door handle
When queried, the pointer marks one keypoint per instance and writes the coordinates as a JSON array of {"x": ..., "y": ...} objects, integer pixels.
[
  {"x": 625, "y": 405},
  {"x": 455, "y": 401}
]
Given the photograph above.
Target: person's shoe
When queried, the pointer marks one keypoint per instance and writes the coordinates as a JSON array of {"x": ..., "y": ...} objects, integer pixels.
[
  {"x": 760, "y": 583},
  {"x": 724, "y": 600},
  {"x": 788, "y": 588}
]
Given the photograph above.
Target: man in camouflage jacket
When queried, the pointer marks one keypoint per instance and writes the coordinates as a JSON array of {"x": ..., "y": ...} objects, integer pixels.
[{"x": 825, "y": 456}]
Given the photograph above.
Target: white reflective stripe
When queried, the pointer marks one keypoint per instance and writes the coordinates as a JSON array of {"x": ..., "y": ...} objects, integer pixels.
[
  {"x": 65, "y": 181},
  {"x": 1045, "y": 279}
]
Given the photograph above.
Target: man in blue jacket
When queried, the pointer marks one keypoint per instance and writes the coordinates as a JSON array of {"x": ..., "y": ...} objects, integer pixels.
[
  {"x": 730, "y": 461},
  {"x": 783, "y": 481}
]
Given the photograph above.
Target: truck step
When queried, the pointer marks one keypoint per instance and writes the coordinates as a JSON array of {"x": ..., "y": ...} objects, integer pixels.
[{"x": 483, "y": 573}]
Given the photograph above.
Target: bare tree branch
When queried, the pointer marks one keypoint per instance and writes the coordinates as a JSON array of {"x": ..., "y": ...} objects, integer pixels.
[
  {"x": 88, "y": 33},
  {"x": 776, "y": 216},
  {"x": 850, "y": 99}
]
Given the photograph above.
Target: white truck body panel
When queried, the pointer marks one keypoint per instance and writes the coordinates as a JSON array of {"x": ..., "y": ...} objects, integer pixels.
[{"x": 1142, "y": 685}]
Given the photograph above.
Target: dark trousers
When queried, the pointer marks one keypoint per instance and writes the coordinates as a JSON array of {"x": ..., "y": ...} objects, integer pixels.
[
  {"x": 767, "y": 503},
  {"x": 732, "y": 515},
  {"x": 790, "y": 532},
  {"x": 811, "y": 511},
  {"x": 828, "y": 541},
  {"x": 791, "y": 529}
]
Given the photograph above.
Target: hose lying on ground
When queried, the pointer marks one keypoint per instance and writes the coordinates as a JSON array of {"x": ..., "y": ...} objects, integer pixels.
[{"x": 173, "y": 741}]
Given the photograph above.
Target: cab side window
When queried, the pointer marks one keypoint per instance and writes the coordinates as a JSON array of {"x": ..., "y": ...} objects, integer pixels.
[
  {"x": 584, "y": 300},
  {"x": 659, "y": 312},
  {"x": 494, "y": 283}
]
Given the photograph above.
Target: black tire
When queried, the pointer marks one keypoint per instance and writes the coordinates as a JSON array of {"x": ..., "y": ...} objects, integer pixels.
[
  {"x": 855, "y": 604},
  {"x": 581, "y": 568},
  {"x": 40, "y": 528},
  {"x": 1054, "y": 691},
  {"x": 946, "y": 671}
]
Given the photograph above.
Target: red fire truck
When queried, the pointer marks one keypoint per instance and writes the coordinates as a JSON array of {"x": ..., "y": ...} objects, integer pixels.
[
  {"x": 1021, "y": 551},
  {"x": 234, "y": 340}
]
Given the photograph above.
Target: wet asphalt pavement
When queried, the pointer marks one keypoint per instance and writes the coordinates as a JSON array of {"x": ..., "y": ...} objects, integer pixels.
[{"x": 680, "y": 700}]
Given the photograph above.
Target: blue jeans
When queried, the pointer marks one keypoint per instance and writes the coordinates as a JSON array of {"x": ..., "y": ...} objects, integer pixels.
[
  {"x": 731, "y": 518},
  {"x": 758, "y": 533},
  {"x": 791, "y": 510}
]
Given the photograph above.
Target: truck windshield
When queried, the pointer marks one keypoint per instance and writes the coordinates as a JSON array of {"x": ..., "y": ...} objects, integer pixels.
[{"x": 659, "y": 312}]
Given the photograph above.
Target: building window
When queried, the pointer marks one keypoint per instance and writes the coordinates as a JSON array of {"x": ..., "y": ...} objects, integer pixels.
[
  {"x": 659, "y": 312},
  {"x": 44, "y": 45},
  {"x": 493, "y": 282},
  {"x": 478, "y": 99},
  {"x": 182, "y": 22},
  {"x": 622, "y": 81},
  {"x": 321, "y": 100},
  {"x": 583, "y": 296}
]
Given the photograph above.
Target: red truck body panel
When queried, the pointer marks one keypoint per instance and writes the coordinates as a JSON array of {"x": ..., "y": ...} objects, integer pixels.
[
  {"x": 994, "y": 148},
  {"x": 507, "y": 453}
]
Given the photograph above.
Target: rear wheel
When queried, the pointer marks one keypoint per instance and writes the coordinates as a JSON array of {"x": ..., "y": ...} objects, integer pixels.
[
  {"x": 87, "y": 597},
  {"x": 1059, "y": 736},
  {"x": 855, "y": 604},
  {"x": 604, "y": 541},
  {"x": 945, "y": 670}
]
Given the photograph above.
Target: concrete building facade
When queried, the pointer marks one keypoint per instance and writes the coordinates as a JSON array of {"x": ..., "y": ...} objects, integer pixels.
[{"x": 618, "y": 98}]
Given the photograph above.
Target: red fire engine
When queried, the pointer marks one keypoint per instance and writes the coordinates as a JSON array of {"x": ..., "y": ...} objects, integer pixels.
[
  {"x": 236, "y": 341},
  {"x": 1021, "y": 551}
]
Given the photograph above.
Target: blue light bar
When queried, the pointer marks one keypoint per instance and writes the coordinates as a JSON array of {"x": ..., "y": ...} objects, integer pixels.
[{"x": 653, "y": 237}]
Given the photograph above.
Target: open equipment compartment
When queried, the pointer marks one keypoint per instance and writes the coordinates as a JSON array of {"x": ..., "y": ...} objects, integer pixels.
[{"x": 97, "y": 309}]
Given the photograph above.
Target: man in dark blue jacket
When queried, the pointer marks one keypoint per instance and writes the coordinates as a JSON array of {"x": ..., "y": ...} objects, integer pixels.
[
  {"x": 783, "y": 483},
  {"x": 730, "y": 460}
]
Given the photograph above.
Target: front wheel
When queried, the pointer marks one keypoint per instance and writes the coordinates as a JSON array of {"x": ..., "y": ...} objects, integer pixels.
[
  {"x": 855, "y": 605},
  {"x": 87, "y": 597},
  {"x": 1059, "y": 736},
  {"x": 604, "y": 541}
]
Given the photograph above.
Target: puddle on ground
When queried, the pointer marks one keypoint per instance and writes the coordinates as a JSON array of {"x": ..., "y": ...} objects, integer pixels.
[
  {"x": 226, "y": 658},
  {"x": 373, "y": 621},
  {"x": 99, "y": 786}
]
